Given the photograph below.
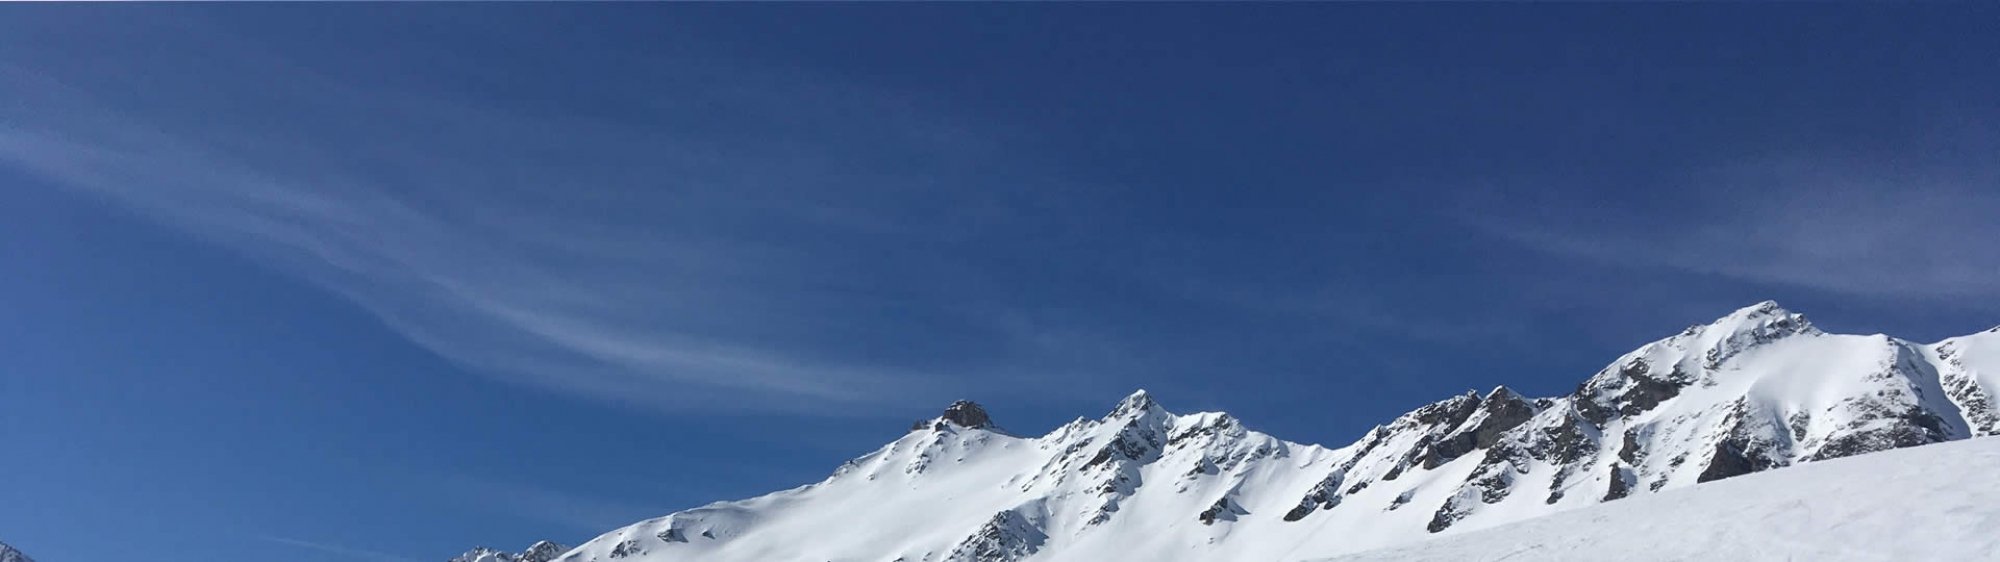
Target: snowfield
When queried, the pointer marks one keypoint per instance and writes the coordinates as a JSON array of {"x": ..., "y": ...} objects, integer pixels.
[
  {"x": 1939, "y": 502},
  {"x": 1760, "y": 389}
]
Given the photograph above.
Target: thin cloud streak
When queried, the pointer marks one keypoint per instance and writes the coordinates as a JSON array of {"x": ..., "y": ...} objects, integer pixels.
[
  {"x": 350, "y": 552},
  {"x": 655, "y": 310},
  {"x": 1823, "y": 224}
]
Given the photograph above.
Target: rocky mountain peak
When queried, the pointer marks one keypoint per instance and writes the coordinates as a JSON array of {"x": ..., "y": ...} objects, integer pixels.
[
  {"x": 9, "y": 554},
  {"x": 541, "y": 551},
  {"x": 968, "y": 414},
  {"x": 1139, "y": 402},
  {"x": 1765, "y": 320},
  {"x": 963, "y": 413}
]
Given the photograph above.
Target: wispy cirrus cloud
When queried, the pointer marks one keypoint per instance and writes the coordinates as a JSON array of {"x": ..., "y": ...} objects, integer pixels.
[
  {"x": 680, "y": 268},
  {"x": 1894, "y": 228},
  {"x": 338, "y": 550}
]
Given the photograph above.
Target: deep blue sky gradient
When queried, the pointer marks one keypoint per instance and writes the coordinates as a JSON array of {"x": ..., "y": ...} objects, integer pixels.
[{"x": 382, "y": 282}]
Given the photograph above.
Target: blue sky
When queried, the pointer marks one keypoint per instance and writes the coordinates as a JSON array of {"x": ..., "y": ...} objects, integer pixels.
[{"x": 380, "y": 283}]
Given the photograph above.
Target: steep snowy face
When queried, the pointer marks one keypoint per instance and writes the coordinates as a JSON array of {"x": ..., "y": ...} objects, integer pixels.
[
  {"x": 1758, "y": 389},
  {"x": 543, "y": 551},
  {"x": 1969, "y": 372},
  {"x": 8, "y": 554}
]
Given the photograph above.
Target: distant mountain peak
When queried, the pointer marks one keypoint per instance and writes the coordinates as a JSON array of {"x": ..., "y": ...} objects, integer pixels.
[
  {"x": 1138, "y": 402},
  {"x": 1766, "y": 317},
  {"x": 541, "y": 551},
  {"x": 962, "y": 413},
  {"x": 9, "y": 554},
  {"x": 967, "y": 414}
]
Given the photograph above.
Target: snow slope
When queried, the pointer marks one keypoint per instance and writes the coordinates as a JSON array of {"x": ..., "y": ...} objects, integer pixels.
[
  {"x": 1758, "y": 389},
  {"x": 1929, "y": 503}
]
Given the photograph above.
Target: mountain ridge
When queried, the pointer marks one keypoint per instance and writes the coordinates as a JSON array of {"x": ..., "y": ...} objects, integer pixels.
[
  {"x": 10, "y": 554},
  {"x": 1758, "y": 389}
]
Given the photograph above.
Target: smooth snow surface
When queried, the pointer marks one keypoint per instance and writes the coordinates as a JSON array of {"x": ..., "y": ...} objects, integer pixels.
[
  {"x": 1756, "y": 390},
  {"x": 1940, "y": 502}
]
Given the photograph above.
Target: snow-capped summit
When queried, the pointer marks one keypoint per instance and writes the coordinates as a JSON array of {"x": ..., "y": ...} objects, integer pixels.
[
  {"x": 963, "y": 413},
  {"x": 541, "y": 551},
  {"x": 9, "y": 554},
  {"x": 1758, "y": 389}
]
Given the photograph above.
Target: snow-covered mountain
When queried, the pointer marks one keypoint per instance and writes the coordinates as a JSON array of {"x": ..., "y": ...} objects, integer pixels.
[
  {"x": 9, "y": 554},
  {"x": 543, "y": 551},
  {"x": 1926, "y": 503},
  {"x": 1755, "y": 390}
]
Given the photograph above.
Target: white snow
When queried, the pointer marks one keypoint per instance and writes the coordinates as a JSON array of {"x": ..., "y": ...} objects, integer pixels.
[
  {"x": 1142, "y": 483},
  {"x": 1937, "y": 502}
]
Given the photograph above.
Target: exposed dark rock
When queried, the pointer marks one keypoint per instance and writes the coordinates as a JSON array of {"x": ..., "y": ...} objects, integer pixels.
[
  {"x": 1799, "y": 423},
  {"x": 1447, "y": 413},
  {"x": 967, "y": 414},
  {"x": 1446, "y": 515},
  {"x": 1133, "y": 442},
  {"x": 1914, "y": 427},
  {"x": 1223, "y": 509},
  {"x": 1765, "y": 322},
  {"x": 1007, "y": 537},
  {"x": 1401, "y": 500},
  {"x": 1566, "y": 443},
  {"x": 1621, "y": 484},
  {"x": 542, "y": 551},
  {"x": 1978, "y": 407},
  {"x": 1322, "y": 496},
  {"x": 1395, "y": 471},
  {"x": 1443, "y": 519},
  {"x": 1638, "y": 391},
  {"x": 1628, "y": 451},
  {"x": 627, "y": 547},
  {"x": 1731, "y": 459},
  {"x": 1500, "y": 411},
  {"x": 1433, "y": 422},
  {"x": 1742, "y": 450}
]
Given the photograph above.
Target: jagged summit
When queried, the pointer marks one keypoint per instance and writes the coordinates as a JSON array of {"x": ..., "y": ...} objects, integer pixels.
[
  {"x": 541, "y": 551},
  {"x": 962, "y": 413},
  {"x": 1139, "y": 401},
  {"x": 968, "y": 414},
  {"x": 9, "y": 554},
  {"x": 1758, "y": 389},
  {"x": 1766, "y": 318}
]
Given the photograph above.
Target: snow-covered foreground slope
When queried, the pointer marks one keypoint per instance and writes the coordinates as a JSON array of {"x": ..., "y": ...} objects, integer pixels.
[
  {"x": 1758, "y": 389},
  {"x": 1928, "y": 503}
]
